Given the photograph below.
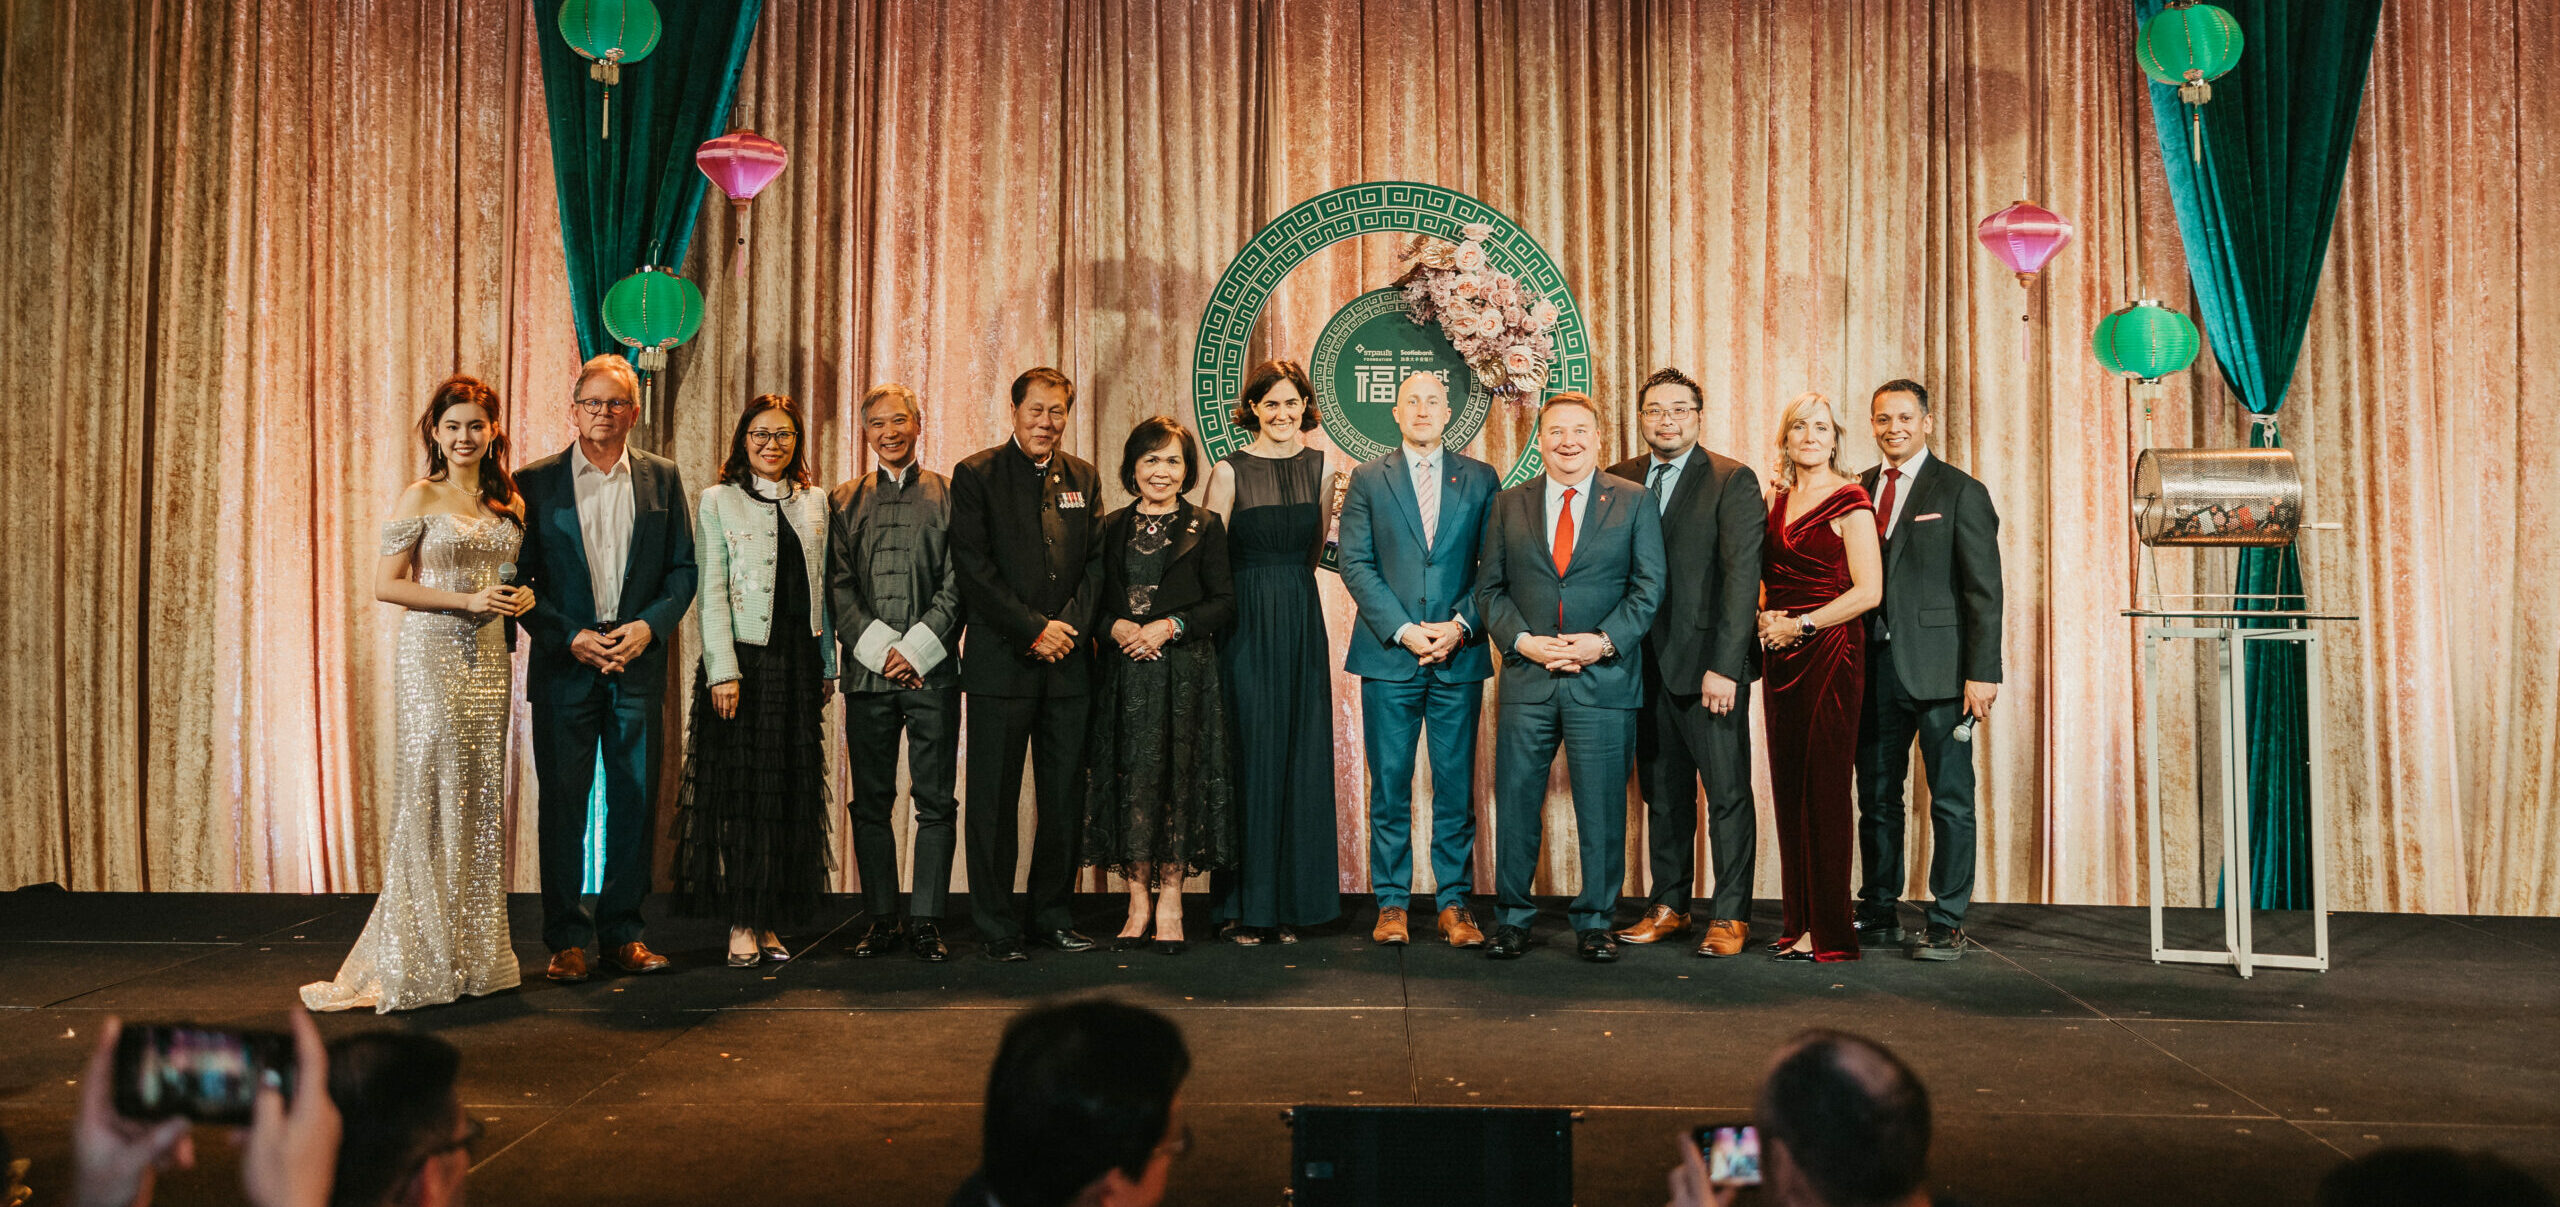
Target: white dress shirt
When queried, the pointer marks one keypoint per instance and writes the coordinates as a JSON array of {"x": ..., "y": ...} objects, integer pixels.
[
  {"x": 1901, "y": 490},
  {"x": 1670, "y": 471},
  {"x": 604, "y": 523}
]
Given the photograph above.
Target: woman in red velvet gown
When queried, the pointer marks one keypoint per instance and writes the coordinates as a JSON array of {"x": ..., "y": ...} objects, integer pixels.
[{"x": 1820, "y": 572}]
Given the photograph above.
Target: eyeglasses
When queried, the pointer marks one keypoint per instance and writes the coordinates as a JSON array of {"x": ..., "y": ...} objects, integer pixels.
[
  {"x": 772, "y": 439},
  {"x": 1680, "y": 411},
  {"x": 467, "y": 1143},
  {"x": 601, "y": 406}
]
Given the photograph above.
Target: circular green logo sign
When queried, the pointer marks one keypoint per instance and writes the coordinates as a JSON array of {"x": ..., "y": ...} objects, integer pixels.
[
  {"x": 1367, "y": 350},
  {"x": 1377, "y": 207}
]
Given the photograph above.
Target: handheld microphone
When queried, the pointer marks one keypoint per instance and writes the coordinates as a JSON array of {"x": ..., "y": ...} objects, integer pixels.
[
  {"x": 506, "y": 573},
  {"x": 1963, "y": 732}
]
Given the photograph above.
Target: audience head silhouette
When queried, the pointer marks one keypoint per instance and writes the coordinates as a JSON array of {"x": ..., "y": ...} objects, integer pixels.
[
  {"x": 405, "y": 1140},
  {"x": 1081, "y": 1107},
  {"x": 1844, "y": 1123}
]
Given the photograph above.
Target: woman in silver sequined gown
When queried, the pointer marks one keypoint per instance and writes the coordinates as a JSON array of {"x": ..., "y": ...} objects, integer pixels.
[{"x": 439, "y": 930}]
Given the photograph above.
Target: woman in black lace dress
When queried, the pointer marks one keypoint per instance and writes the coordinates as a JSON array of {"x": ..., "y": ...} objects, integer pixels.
[{"x": 1159, "y": 799}]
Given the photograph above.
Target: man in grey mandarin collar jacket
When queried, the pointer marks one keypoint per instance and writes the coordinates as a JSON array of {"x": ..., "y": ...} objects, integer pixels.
[
  {"x": 1570, "y": 579},
  {"x": 896, "y": 596}
]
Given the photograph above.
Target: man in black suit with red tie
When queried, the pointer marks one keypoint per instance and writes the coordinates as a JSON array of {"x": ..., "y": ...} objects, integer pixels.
[
  {"x": 1696, "y": 720},
  {"x": 1024, "y": 515},
  {"x": 1933, "y": 669}
]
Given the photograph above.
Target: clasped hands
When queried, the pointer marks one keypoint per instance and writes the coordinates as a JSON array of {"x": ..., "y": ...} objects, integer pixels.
[
  {"x": 1563, "y": 655},
  {"x": 611, "y": 650},
  {"x": 1142, "y": 642},
  {"x": 1432, "y": 643},
  {"x": 1779, "y": 630},
  {"x": 498, "y": 600},
  {"x": 1056, "y": 640}
]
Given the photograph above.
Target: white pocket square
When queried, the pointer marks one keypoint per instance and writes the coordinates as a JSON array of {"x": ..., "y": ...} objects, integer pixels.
[{"x": 1931, "y": 516}]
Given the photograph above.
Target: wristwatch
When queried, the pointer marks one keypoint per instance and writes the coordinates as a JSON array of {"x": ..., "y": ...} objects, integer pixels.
[
  {"x": 1808, "y": 627},
  {"x": 1179, "y": 628},
  {"x": 1608, "y": 648}
]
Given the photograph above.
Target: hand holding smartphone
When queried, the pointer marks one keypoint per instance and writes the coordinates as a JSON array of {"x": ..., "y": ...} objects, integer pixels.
[
  {"x": 1732, "y": 1152},
  {"x": 207, "y": 1074}
]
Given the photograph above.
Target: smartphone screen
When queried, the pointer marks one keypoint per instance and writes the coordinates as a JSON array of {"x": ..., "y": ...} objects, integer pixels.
[
  {"x": 1732, "y": 1152},
  {"x": 210, "y": 1075}
]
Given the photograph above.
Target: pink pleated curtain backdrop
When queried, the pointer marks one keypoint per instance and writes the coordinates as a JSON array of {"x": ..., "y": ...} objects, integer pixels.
[{"x": 247, "y": 245}]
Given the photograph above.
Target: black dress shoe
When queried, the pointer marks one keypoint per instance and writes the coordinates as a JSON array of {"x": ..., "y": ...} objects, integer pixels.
[
  {"x": 882, "y": 938},
  {"x": 1006, "y": 951},
  {"x": 1597, "y": 945},
  {"x": 1065, "y": 940},
  {"x": 924, "y": 936},
  {"x": 1877, "y": 931},
  {"x": 1508, "y": 943}
]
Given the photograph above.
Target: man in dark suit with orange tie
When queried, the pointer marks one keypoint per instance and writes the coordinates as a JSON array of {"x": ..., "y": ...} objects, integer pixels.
[
  {"x": 1570, "y": 578},
  {"x": 1933, "y": 669}
]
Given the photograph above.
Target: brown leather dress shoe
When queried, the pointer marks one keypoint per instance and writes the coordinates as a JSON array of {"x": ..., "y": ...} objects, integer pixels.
[
  {"x": 1658, "y": 923},
  {"x": 1725, "y": 937},
  {"x": 635, "y": 956},
  {"x": 568, "y": 966},
  {"x": 1458, "y": 926},
  {"x": 1392, "y": 930}
]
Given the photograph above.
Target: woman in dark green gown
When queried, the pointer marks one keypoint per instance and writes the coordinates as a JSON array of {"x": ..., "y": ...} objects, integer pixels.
[{"x": 1278, "y": 678}]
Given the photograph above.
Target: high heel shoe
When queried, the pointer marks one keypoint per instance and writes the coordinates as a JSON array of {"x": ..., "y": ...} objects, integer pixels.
[
  {"x": 745, "y": 959},
  {"x": 775, "y": 952},
  {"x": 1129, "y": 942},
  {"x": 1171, "y": 947}
]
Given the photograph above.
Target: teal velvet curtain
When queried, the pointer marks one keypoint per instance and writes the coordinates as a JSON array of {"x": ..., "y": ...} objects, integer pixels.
[
  {"x": 2255, "y": 216},
  {"x": 629, "y": 200}
]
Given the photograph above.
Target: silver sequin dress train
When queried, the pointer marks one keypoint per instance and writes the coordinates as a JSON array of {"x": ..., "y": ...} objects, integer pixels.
[{"x": 439, "y": 930}]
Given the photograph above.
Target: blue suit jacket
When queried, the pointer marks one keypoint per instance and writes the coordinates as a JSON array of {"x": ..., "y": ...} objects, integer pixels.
[
  {"x": 1397, "y": 580},
  {"x": 1613, "y": 587},
  {"x": 657, "y": 578}
]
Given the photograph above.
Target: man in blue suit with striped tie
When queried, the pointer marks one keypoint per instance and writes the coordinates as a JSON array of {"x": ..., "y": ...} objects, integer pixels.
[
  {"x": 1410, "y": 523},
  {"x": 1572, "y": 574}
]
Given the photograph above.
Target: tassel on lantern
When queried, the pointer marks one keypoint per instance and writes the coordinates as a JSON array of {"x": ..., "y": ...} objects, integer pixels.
[{"x": 2187, "y": 46}]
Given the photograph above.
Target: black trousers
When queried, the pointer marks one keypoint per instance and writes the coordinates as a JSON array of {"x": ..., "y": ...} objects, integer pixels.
[
  {"x": 1891, "y": 719},
  {"x": 1000, "y": 729},
  {"x": 1678, "y": 743},
  {"x": 930, "y": 718},
  {"x": 623, "y": 727}
]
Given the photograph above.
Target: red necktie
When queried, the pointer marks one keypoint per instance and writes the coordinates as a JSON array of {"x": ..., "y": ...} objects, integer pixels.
[
  {"x": 1563, "y": 551},
  {"x": 1892, "y": 479}
]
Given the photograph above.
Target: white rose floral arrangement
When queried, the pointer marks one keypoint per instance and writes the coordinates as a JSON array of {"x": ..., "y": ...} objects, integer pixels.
[{"x": 1504, "y": 329}]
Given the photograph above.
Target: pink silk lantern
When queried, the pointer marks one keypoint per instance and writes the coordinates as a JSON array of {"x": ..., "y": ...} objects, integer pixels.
[
  {"x": 741, "y": 162},
  {"x": 2024, "y": 237}
]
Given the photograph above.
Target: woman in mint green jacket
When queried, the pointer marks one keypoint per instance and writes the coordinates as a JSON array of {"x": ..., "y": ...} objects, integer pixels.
[{"x": 752, "y": 818}]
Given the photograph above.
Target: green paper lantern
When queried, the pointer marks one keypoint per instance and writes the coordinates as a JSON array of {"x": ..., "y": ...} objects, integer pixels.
[
  {"x": 608, "y": 34},
  {"x": 2188, "y": 46},
  {"x": 651, "y": 311},
  {"x": 2145, "y": 341}
]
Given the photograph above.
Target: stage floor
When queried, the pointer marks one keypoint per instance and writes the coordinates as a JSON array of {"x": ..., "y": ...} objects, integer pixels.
[{"x": 2064, "y": 1065}]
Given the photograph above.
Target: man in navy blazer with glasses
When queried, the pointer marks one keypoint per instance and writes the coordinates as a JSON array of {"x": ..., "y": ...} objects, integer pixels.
[{"x": 608, "y": 550}]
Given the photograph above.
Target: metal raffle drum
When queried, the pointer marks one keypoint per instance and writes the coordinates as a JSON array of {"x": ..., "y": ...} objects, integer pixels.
[
  {"x": 2230, "y": 498},
  {"x": 2225, "y": 497}
]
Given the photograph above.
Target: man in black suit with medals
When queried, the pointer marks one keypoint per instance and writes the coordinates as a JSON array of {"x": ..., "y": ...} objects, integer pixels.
[
  {"x": 1024, "y": 515},
  {"x": 1933, "y": 669},
  {"x": 1697, "y": 700}
]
